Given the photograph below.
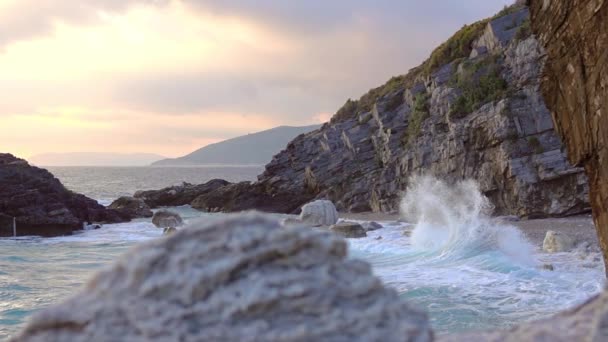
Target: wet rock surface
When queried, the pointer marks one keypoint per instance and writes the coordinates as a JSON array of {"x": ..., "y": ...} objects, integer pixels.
[
  {"x": 178, "y": 195},
  {"x": 131, "y": 206},
  {"x": 42, "y": 205}
]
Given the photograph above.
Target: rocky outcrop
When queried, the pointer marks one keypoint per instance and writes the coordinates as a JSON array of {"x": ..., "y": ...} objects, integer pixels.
[
  {"x": 42, "y": 205},
  {"x": 245, "y": 278},
  {"x": 319, "y": 213},
  {"x": 248, "y": 196},
  {"x": 167, "y": 219},
  {"x": 473, "y": 110},
  {"x": 174, "y": 196},
  {"x": 131, "y": 206},
  {"x": 575, "y": 88}
]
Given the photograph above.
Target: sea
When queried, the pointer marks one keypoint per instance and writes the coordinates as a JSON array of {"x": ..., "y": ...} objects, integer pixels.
[{"x": 447, "y": 256}]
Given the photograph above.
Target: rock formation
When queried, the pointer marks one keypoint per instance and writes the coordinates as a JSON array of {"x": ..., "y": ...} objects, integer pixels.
[
  {"x": 245, "y": 278},
  {"x": 575, "y": 88},
  {"x": 472, "y": 110},
  {"x": 174, "y": 196},
  {"x": 42, "y": 205},
  {"x": 131, "y": 206}
]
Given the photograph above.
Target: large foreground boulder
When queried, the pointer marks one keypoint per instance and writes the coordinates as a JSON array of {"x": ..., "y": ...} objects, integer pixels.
[
  {"x": 319, "y": 213},
  {"x": 177, "y": 195},
  {"x": 575, "y": 88},
  {"x": 42, "y": 205},
  {"x": 244, "y": 278},
  {"x": 134, "y": 207}
]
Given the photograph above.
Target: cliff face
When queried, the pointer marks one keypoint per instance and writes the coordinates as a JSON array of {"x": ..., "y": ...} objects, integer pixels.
[
  {"x": 473, "y": 110},
  {"x": 41, "y": 204},
  {"x": 575, "y": 87}
]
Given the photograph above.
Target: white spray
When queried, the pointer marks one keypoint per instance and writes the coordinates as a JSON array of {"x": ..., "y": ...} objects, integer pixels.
[{"x": 454, "y": 221}]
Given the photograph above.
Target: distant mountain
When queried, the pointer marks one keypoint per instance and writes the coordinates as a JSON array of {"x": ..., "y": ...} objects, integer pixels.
[
  {"x": 251, "y": 149},
  {"x": 94, "y": 159}
]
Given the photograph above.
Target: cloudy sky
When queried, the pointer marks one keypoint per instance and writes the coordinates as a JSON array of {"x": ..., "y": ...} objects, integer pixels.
[{"x": 169, "y": 76}]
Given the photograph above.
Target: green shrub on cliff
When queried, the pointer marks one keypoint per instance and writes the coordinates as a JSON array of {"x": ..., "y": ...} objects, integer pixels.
[
  {"x": 420, "y": 112},
  {"x": 479, "y": 82}
]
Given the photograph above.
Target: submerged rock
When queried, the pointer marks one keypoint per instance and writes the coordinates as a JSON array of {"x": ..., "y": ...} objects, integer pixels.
[
  {"x": 557, "y": 242},
  {"x": 348, "y": 230},
  {"x": 244, "y": 278},
  {"x": 319, "y": 213},
  {"x": 167, "y": 219},
  {"x": 41, "y": 205},
  {"x": 371, "y": 225},
  {"x": 134, "y": 207}
]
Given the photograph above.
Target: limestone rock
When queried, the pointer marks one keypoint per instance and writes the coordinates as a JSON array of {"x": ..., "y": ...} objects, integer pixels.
[
  {"x": 348, "y": 230},
  {"x": 244, "y": 278},
  {"x": 134, "y": 207},
  {"x": 556, "y": 242},
  {"x": 319, "y": 213},
  {"x": 42, "y": 205},
  {"x": 167, "y": 219},
  {"x": 575, "y": 88}
]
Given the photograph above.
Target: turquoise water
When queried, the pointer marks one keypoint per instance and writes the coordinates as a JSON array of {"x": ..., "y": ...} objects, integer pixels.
[{"x": 465, "y": 270}]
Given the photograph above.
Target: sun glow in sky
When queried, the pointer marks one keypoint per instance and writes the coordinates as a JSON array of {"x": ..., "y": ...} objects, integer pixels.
[{"x": 170, "y": 76}]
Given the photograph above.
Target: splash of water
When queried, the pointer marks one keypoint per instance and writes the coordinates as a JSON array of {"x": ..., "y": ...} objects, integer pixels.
[{"x": 453, "y": 221}]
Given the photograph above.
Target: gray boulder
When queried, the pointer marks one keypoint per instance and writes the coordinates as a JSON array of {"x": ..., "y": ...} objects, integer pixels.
[
  {"x": 166, "y": 219},
  {"x": 244, "y": 278},
  {"x": 348, "y": 230},
  {"x": 319, "y": 213},
  {"x": 134, "y": 207},
  {"x": 556, "y": 242}
]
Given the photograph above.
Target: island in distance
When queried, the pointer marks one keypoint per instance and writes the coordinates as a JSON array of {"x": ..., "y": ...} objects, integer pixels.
[{"x": 251, "y": 149}]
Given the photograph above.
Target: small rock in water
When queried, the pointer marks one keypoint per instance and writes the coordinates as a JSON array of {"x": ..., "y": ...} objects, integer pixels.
[
  {"x": 378, "y": 237},
  {"x": 134, "y": 207},
  {"x": 548, "y": 267},
  {"x": 319, "y": 213},
  {"x": 291, "y": 221},
  {"x": 348, "y": 230},
  {"x": 166, "y": 218},
  {"x": 371, "y": 225},
  {"x": 556, "y": 242},
  {"x": 407, "y": 232}
]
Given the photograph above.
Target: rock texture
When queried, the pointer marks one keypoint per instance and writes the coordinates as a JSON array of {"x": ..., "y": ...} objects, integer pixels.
[
  {"x": 351, "y": 230},
  {"x": 476, "y": 115},
  {"x": 131, "y": 206},
  {"x": 174, "y": 196},
  {"x": 319, "y": 213},
  {"x": 245, "y": 278},
  {"x": 42, "y": 205},
  {"x": 167, "y": 219},
  {"x": 575, "y": 88},
  {"x": 556, "y": 242}
]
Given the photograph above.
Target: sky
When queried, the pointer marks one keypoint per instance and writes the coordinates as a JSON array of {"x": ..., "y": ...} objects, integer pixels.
[{"x": 170, "y": 76}]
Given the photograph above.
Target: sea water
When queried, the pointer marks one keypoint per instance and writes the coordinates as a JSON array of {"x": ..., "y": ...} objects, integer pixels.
[{"x": 466, "y": 270}]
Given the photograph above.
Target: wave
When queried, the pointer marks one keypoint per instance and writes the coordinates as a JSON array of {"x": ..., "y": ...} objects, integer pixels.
[{"x": 453, "y": 222}]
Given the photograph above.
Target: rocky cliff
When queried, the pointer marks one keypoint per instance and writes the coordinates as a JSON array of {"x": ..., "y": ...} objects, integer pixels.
[
  {"x": 575, "y": 88},
  {"x": 41, "y": 204},
  {"x": 472, "y": 110}
]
